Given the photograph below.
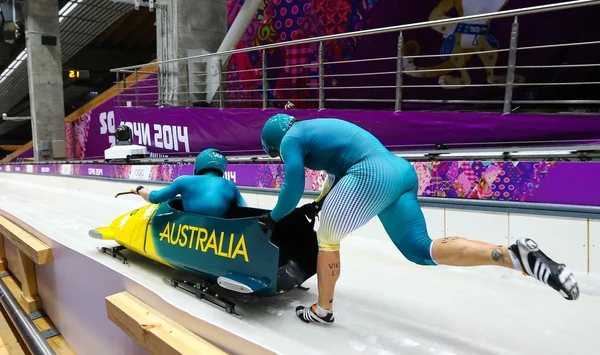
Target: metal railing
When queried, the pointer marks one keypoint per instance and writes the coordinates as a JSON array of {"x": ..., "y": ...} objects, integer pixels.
[{"x": 322, "y": 83}]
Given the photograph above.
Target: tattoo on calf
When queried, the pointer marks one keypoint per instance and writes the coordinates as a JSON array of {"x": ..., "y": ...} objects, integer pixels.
[
  {"x": 335, "y": 268},
  {"x": 497, "y": 255}
]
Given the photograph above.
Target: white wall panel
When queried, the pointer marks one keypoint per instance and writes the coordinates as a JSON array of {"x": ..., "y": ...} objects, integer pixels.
[
  {"x": 435, "y": 219},
  {"x": 483, "y": 226},
  {"x": 595, "y": 246},
  {"x": 266, "y": 201},
  {"x": 251, "y": 199}
]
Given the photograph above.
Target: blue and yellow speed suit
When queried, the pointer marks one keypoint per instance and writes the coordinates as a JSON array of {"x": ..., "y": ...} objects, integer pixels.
[
  {"x": 207, "y": 195},
  {"x": 370, "y": 181}
]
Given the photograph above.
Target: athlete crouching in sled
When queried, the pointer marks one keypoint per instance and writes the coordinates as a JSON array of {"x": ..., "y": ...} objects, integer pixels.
[
  {"x": 205, "y": 193},
  {"x": 371, "y": 181}
]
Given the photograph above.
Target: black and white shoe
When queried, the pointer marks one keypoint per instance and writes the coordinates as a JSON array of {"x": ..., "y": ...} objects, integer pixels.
[
  {"x": 538, "y": 265},
  {"x": 309, "y": 314}
]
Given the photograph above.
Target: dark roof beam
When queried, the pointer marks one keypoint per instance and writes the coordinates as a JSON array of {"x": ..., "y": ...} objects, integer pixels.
[
  {"x": 109, "y": 31},
  {"x": 127, "y": 28},
  {"x": 139, "y": 33}
]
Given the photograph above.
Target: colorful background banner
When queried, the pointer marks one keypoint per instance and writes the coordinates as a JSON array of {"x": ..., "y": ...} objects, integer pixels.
[
  {"x": 285, "y": 20},
  {"x": 543, "y": 182},
  {"x": 180, "y": 132}
]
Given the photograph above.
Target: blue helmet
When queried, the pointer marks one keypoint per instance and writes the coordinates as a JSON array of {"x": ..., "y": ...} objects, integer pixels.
[
  {"x": 273, "y": 131},
  {"x": 210, "y": 159}
]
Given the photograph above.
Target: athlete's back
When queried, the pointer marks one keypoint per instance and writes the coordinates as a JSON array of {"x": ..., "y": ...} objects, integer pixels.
[
  {"x": 337, "y": 147},
  {"x": 207, "y": 195},
  {"x": 340, "y": 144}
]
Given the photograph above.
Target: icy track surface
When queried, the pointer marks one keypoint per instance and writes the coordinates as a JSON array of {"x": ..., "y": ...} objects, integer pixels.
[{"x": 383, "y": 304}]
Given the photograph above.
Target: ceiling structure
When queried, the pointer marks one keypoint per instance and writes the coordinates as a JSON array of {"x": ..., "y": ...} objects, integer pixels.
[{"x": 96, "y": 35}]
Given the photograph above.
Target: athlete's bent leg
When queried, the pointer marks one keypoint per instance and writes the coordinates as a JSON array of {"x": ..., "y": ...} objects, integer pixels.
[
  {"x": 457, "y": 251},
  {"x": 405, "y": 224},
  {"x": 328, "y": 272},
  {"x": 352, "y": 202}
]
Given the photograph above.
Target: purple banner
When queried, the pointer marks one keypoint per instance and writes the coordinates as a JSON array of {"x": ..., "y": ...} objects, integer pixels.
[
  {"x": 186, "y": 131},
  {"x": 543, "y": 182}
]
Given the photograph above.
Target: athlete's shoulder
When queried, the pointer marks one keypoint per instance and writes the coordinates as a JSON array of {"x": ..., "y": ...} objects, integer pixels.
[
  {"x": 324, "y": 120},
  {"x": 230, "y": 184},
  {"x": 319, "y": 126},
  {"x": 292, "y": 144},
  {"x": 228, "y": 189},
  {"x": 183, "y": 179}
]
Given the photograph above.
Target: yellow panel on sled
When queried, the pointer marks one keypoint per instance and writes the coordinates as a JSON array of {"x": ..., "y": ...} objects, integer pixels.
[
  {"x": 140, "y": 220},
  {"x": 140, "y": 233},
  {"x": 151, "y": 250},
  {"x": 132, "y": 231},
  {"x": 120, "y": 230}
]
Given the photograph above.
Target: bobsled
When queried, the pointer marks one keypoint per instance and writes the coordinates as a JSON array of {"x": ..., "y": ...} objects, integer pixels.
[{"x": 232, "y": 253}]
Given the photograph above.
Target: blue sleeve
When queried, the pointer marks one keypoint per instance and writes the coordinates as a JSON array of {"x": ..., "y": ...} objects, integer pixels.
[
  {"x": 238, "y": 199},
  {"x": 292, "y": 153},
  {"x": 162, "y": 195}
]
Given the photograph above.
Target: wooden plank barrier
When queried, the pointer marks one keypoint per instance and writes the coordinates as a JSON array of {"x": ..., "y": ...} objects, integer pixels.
[
  {"x": 30, "y": 251},
  {"x": 154, "y": 331}
]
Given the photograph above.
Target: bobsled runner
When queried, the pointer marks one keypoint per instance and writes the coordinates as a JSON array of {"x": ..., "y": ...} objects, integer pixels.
[{"x": 232, "y": 253}]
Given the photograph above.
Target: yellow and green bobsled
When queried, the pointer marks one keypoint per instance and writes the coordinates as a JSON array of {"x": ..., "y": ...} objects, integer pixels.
[{"x": 233, "y": 251}]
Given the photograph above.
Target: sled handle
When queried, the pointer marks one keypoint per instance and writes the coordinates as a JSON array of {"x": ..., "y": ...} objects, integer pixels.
[
  {"x": 129, "y": 192},
  {"x": 124, "y": 193}
]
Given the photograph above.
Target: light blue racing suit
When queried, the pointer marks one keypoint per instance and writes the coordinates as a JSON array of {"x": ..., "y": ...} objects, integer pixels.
[
  {"x": 370, "y": 181},
  {"x": 207, "y": 195}
]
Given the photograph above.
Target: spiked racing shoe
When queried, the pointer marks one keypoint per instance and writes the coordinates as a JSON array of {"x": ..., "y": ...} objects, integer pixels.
[
  {"x": 539, "y": 266},
  {"x": 309, "y": 315}
]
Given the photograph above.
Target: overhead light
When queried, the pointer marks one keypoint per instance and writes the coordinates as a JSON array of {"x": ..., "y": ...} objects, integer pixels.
[
  {"x": 411, "y": 155},
  {"x": 472, "y": 154},
  {"x": 14, "y": 65},
  {"x": 22, "y": 55},
  {"x": 69, "y": 7},
  {"x": 543, "y": 152}
]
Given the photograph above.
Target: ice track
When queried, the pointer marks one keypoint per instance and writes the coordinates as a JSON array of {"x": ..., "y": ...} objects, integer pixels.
[{"x": 384, "y": 305}]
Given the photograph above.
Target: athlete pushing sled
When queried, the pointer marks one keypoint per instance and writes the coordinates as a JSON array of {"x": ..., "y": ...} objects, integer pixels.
[{"x": 366, "y": 181}]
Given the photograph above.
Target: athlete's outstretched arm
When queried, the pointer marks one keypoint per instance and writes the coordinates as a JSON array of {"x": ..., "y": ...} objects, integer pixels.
[
  {"x": 292, "y": 153},
  {"x": 162, "y": 195},
  {"x": 239, "y": 199}
]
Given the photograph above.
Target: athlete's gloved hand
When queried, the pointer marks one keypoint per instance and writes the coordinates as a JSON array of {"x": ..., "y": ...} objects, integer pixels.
[
  {"x": 137, "y": 190},
  {"x": 311, "y": 210},
  {"x": 266, "y": 222}
]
